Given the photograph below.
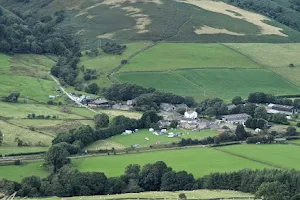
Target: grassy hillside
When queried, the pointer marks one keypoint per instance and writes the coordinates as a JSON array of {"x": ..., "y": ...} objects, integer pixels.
[
  {"x": 27, "y": 74},
  {"x": 169, "y": 56},
  {"x": 190, "y": 21},
  {"x": 205, "y": 83},
  {"x": 198, "y": 194}
]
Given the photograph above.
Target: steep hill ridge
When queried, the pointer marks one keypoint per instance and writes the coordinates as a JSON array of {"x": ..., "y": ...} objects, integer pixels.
[{"x": 170, "y": 20}]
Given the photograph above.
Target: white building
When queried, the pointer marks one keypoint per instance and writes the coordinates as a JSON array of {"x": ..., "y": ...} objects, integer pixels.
[{"x": 191, "y": 115}]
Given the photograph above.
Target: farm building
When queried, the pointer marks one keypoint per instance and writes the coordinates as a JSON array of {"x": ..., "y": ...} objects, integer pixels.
[
  {"x": 236, "y": 118},
  {"x": 189, "y": 124},
  {"x": 276, "y": 108},
  {"x": 98, "y": 103},
  {"x": 163, "y": 124},
  {"x": 191, "y": 115},
  {"x": 120, "y": 106},
  {"x": 167, "y": 107}
]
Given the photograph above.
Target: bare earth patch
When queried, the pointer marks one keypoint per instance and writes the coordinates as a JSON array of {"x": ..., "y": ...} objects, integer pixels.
[
  {"x": 211, "y": 30},
  {"x": 119, "y": 2},
  {"x": 106, "y": 35},
  {"x": 232, "y": 11}
]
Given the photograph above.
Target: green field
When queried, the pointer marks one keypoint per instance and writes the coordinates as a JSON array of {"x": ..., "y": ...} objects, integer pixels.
[
  {"x": 122, "y": 141},
  {"x": 284, "y": 156},
  {"x": 170, "y": 56},
  {"x": 206, "y": 83},
  {"x": 195, "y": 194},
  {"x": 11, "y": 132},
  {"x": 17, "y": 173},
  {"x": 275, "y": 57},
  {"x": 198, "y": 161}
]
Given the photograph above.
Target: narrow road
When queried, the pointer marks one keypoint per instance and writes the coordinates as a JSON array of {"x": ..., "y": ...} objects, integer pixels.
[{"x": 70, "y": 96}]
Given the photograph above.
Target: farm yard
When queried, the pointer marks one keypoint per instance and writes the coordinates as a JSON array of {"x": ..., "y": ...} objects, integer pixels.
[{"x": 201, "y": 83}]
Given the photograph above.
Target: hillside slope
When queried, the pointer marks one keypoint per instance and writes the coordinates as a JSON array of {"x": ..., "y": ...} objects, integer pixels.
[{"x": 170, "y": 20}]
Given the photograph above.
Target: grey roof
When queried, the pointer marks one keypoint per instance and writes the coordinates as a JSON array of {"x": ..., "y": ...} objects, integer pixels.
[
  {"x": 236, "y": 116},
  {"x": 231, "y": 106},
  {"x": 98, "y": 102}
]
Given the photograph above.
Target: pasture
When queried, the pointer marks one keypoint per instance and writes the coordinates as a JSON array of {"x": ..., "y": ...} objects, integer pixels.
[
  {"x": 275, "y": 57},
  {"x": 15, "y": 150},
  {"x": 105, "y": 63},
  {"x": 31, "y": 137},
  {"x": 20, "y": 110},
  {"x": 170, "y": 56},
  {"x": 283, "y": 156},
  {"x": 195, "y": 194},
  {"x": 198, "y": 161},
  {"x": 18, "y": 172},
  {"x": 20, "y": 71},
  {"x": 206, "y": 83},
  {"x": 270, "y": 55}
]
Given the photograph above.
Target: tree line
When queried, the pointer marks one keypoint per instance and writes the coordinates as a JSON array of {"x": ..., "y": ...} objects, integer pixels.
[{"x": 271, "y": 184}]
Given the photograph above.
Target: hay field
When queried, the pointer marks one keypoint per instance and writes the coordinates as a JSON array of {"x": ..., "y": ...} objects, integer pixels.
[
  {"x": 275, "y": 57},
  {"x": 170, "y": 56}
]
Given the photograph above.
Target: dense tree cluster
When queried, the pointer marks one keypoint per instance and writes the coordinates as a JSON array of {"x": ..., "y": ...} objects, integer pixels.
[
  {"x": 256, "y": 123},
  {"x": 12, "y": 97},
  {"x": 260, "y": 97},
  {"x": 274, "y": 10},
  {"x": 26, "y": 34},
  {"x": 113, "y": 48},
  {"x": 212, "y": 107},
  {"x": 146, "y": 99}
]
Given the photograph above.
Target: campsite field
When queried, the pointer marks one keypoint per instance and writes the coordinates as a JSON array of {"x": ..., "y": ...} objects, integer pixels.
[
  {"x": 195, "y": 194},
  {"x": 283, "y": 156},
  {"x": 122, "y": 141},
  {"x": 170, "y": 56},
  {"x": 205, "y": 83},
  {"x": 198, "y": 161}
]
